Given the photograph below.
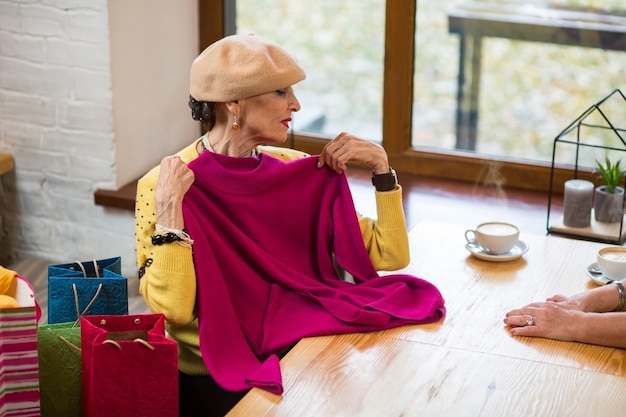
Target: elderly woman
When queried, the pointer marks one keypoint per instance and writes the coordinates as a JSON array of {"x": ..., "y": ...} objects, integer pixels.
[{"x": 241, "y": 89}]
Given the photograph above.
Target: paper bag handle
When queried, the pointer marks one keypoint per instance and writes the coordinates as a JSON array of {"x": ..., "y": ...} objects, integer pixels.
[
  {"x": 93, "y": 299},
  {"x": 70, "y": 344},
  {"x": 138, "y": 340},
  {"x": 95, "y": 267}
]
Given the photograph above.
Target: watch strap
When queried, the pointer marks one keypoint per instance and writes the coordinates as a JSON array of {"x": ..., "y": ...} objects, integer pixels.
[{"x": 386, "y": 181}]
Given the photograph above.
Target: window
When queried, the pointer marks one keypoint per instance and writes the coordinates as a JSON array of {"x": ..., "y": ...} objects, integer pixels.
[
  {"x": 344, "y": 63},
  {"x": 389, "y": 72},
  {"x": 532, "y": 80}
]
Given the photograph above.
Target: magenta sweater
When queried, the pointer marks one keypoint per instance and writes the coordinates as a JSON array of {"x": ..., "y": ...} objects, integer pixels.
[{"x": 265, "y": 232}]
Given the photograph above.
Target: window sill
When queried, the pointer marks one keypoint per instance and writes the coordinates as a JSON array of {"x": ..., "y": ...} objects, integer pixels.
[
  {"x": 124, "y": 198},
  {"x": 424, "y": 197}
]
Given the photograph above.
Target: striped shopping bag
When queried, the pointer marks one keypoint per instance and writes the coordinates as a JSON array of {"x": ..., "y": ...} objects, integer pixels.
[{"x": 19, "y": 370}]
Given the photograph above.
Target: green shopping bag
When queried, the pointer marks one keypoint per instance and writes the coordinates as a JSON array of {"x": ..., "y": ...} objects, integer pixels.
[{"x": 60, "y": 374}]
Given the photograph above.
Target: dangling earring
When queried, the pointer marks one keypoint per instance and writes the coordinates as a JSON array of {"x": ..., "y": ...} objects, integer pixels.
[{"x": 235, "y": 124}]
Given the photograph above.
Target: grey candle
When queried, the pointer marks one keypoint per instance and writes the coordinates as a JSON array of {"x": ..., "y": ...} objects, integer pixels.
[{"x": 577, "y": 203}]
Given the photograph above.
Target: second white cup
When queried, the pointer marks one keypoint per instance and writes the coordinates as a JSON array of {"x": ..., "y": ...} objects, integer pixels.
[
  {"x": 612, "y": 262},
  {"x": 496, "y": 238}
]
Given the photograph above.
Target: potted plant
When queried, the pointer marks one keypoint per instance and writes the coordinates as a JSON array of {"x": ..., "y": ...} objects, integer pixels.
[{"x": 608, "y": 203}]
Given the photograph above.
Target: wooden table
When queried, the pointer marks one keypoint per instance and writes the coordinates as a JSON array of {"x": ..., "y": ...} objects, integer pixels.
[{"x": 467, "y": 364}]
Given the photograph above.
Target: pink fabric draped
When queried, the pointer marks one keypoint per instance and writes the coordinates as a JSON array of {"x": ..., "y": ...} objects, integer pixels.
[{"x": 265, "y": 233}]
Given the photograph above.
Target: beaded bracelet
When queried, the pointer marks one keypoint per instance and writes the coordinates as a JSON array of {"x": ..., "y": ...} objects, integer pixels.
[
  {"x": 165, "y": 238},
  {"x": 172, "y": 235},
  {"x": 622, "y": 296}
]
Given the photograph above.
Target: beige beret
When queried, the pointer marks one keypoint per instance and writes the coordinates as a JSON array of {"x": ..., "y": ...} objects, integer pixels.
[{"x": 241, "y": 66}]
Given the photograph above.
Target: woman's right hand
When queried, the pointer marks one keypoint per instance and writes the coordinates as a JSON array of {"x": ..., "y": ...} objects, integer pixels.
[{"x": 175, "y": 179}]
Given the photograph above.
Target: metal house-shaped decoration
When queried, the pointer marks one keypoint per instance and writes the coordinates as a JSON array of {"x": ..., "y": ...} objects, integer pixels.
[{"x": 596, "y": 135}]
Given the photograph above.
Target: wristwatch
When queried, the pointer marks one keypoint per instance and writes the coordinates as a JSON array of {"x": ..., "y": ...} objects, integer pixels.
[{"x": 386, "y": 181}]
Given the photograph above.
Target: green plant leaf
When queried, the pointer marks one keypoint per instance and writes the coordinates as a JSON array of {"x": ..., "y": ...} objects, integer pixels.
[{"x": 611, "y": 174}]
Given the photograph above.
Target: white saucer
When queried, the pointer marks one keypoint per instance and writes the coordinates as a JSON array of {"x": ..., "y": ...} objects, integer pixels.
[
  {"x": 517, "y": 251},
  {"x": 598, "y": 278}
]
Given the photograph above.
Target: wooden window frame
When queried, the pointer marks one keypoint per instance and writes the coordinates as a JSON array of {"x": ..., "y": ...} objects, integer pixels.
[{"x": 215, "y": 22}]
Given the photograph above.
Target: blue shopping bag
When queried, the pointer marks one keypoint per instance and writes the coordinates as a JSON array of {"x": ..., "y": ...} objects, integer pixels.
[{"x": 86, "y": 288}]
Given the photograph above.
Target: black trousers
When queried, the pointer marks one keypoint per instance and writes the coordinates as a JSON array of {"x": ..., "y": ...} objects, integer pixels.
[{"x": 202, "y": 396}]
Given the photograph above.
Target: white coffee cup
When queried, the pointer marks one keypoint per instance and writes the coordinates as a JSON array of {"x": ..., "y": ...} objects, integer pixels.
[
  {"x": 612, "y": 262},
  {"x": 495, "y": 238}
]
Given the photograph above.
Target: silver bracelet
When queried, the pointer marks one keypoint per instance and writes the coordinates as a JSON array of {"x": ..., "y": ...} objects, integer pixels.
[{"x": 622, "y": 296}]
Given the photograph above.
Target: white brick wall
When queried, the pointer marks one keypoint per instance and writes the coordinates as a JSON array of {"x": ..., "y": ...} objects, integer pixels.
[{"x": 56, "y": 120}]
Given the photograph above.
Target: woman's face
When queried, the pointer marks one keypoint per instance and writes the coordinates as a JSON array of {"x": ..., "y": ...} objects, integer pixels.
[{"x": 268, "y": 115}]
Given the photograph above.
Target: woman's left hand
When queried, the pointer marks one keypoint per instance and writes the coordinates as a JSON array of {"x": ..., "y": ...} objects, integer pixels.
[
  {"x": 550, "y": 319},
  {"x": 347, "y": 148}
]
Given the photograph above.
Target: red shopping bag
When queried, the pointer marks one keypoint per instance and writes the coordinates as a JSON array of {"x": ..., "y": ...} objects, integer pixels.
[
  {"x": 129, "y": 366},
  {"x": 19, "y": 369}
]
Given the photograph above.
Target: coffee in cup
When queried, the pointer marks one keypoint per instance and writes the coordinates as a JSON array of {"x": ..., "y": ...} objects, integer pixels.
[
  {"x": 612, "y": 262},
  {"x": 495, "y": 238}
]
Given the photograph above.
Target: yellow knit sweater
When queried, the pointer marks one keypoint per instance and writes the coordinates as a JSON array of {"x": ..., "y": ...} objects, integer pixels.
[{"x": 168, "y": 284}]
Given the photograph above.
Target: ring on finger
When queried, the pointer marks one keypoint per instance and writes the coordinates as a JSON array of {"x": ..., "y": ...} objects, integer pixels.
[{"x": 530, "y": 321}]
